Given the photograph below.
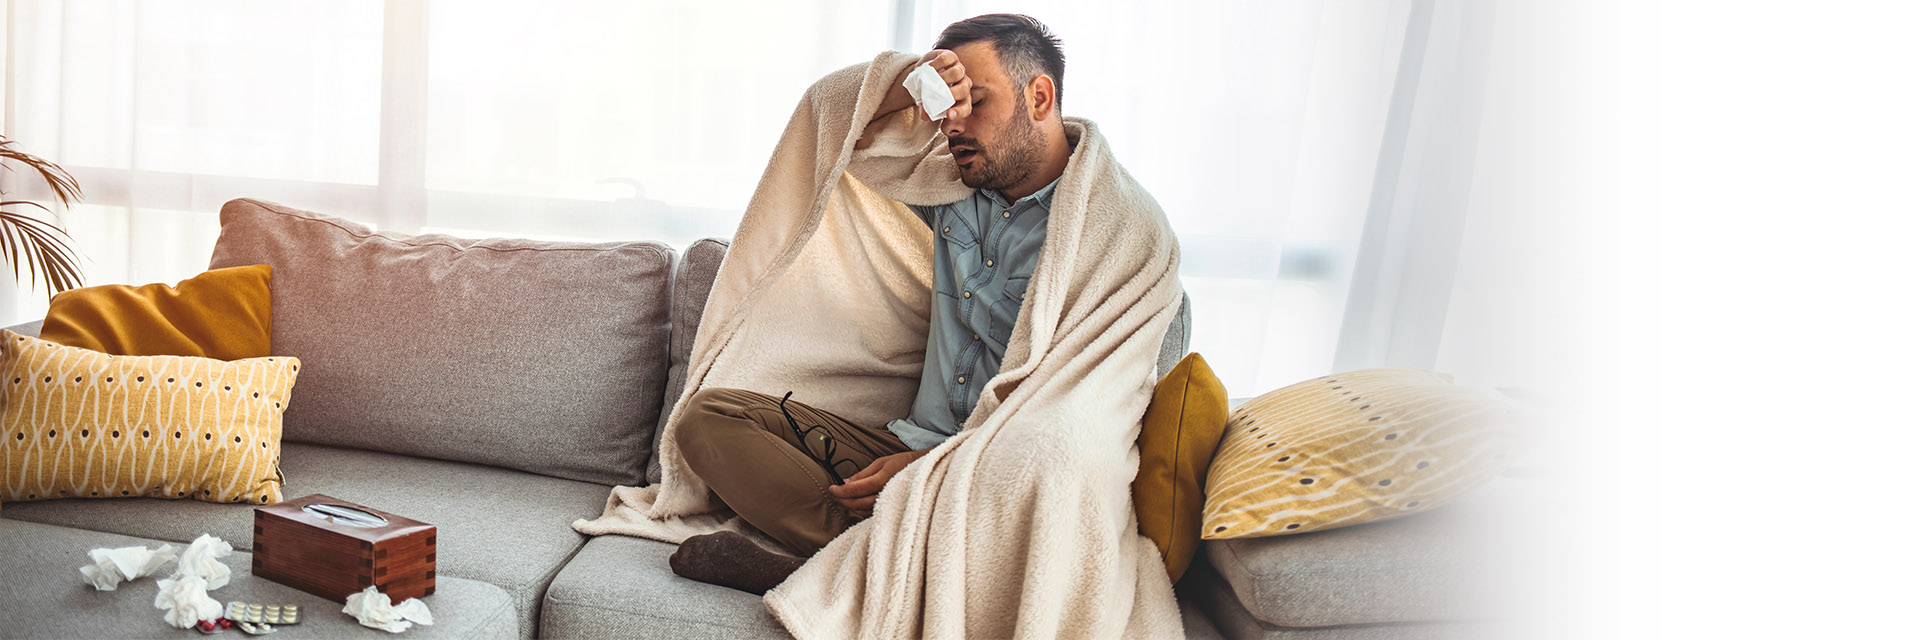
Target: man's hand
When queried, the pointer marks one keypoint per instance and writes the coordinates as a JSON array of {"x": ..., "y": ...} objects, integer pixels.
[
  {"x": 948, "y": 64},
  {"x": 860, "y": 491}
]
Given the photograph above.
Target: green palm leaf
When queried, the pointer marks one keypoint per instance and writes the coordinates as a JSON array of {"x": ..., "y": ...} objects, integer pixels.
[{"x": 39, "y": 246}]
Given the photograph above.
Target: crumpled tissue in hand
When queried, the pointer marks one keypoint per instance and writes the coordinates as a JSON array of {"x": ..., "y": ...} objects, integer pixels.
[
  {"x": 111, "y": 566},
  {"x": 930, "y": 91},
  {"x": 185, "y": 600},
  {"x": 375, "y": 609},
  {"x": 202, "y": 560}
]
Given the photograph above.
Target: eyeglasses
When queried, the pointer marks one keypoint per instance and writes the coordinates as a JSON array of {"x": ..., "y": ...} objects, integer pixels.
[{"x": 818, "y": 447}]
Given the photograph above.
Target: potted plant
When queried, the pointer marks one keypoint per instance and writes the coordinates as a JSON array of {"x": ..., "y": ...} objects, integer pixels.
[{"x": 41, "y": 247}]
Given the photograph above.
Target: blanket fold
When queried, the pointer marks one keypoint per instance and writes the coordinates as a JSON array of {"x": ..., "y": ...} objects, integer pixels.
[{"x": 1022, "y": 525}]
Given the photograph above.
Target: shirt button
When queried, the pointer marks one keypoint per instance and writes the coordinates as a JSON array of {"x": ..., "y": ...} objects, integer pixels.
[
  {"x": 946, "y": 230},
  {"x": 966, "y": 294},
  {"x": 989, "y": 262},
  {"x": 976, "y": 336},
  {"x": 963, "y": 379},
  {"x": 1004, "y": 213}
]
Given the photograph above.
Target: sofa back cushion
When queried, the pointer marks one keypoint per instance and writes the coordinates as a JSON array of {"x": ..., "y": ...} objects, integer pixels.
[
  {"x": 691, "y": 284},
  {"x": 548, "y": 357},
  {"x": 1173, "y": 348}
]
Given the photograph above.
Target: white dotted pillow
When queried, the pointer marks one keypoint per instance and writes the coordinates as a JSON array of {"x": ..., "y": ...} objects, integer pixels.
[{"x": 1350, "y": 448}]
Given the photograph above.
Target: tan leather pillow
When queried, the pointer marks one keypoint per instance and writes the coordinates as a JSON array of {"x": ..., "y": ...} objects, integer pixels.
[
  {"x": 1184, "y": 423},
  {"x": 224, "y": 314}
]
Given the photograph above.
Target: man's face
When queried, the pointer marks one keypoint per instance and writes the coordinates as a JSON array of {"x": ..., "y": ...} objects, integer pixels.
[{"x": 997, "y": 146}]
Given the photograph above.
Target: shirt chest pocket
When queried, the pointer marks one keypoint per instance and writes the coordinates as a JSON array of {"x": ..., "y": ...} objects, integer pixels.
[
  {"x": 958, "y": 235},
  {"x": 1006, "y": 309}
]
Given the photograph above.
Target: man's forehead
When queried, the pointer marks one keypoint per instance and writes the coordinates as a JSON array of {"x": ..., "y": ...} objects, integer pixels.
[{"x": 982, "y": 62}]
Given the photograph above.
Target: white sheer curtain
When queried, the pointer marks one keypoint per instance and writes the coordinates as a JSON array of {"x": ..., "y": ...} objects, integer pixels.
[
  {"x": 1257, "y": 126},
  {"x": 1261, "y": 128}
]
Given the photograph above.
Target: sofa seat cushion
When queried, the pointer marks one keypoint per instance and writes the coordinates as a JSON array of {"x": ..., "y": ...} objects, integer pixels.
[
  {"x": 504, "y": 527},
  {"x": 1195, "y": 621},
  {"x": 621, "y": 587},
  {"x": 48, "y": 598},
  {"x": 1455, "y": 563}
]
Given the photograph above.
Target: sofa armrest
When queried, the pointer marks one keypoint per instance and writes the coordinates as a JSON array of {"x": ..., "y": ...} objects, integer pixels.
[
  {"x": 1458, "y": 562},
  {"x": 30, "y": 329}
]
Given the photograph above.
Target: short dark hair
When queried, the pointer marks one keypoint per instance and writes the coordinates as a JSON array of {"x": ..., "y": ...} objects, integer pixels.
[{"x": 1026, "y": 48}]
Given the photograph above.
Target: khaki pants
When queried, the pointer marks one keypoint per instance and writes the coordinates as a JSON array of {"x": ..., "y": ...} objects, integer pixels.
[{"x": 740, "y": 444}]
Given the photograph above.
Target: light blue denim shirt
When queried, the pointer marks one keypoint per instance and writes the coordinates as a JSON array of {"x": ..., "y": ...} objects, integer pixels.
[{"x": 984, "y": 252}]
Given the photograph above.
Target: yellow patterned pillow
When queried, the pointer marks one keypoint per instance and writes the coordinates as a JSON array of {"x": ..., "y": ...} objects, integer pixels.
[
  {"x": 84, "y": 424},
  {"x": 1350, "y": 448}
]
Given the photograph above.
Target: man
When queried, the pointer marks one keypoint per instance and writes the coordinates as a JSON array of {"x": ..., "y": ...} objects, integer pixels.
[{"x": 803, "y": 480}]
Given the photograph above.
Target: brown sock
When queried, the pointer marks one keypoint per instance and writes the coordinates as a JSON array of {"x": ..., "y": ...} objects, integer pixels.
[{"x": 729, "y": 559}]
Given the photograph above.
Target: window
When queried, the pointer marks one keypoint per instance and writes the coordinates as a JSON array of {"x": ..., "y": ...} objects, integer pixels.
[{"x": 1260, "y": 127}]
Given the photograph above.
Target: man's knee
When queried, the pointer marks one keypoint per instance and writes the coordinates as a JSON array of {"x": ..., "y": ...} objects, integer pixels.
[
  {"x": 713, "y": 414},
  {"x": 713, "y": 404}
]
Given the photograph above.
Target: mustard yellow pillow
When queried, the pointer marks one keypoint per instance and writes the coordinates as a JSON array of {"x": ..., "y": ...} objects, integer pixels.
[
  {"x": 80, "y": 423},
  {"x": 1350, "y": 448},
  {"x": 1184, "y": 421},
  {"x": 225, "y": 314}
]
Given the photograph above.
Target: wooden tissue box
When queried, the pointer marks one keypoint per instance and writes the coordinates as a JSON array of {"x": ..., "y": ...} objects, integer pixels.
[{"x": 333, "y": 549}]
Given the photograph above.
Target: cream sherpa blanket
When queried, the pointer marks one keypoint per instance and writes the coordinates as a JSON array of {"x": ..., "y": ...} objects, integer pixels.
[{"x": 1023, "y": 524}]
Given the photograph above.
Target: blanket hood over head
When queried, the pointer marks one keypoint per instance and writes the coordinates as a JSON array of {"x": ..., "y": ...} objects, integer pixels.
[{"x": 1022, "y": 525}]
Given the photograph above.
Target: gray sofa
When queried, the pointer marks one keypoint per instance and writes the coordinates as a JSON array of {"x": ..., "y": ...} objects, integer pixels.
[{"x": 510, "y": 565}]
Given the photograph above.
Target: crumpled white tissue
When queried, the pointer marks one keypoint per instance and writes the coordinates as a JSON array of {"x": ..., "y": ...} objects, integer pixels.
[
  {"x": 111, "y": 566},
  {"x": 375, "y": 609},
  {"x": 185, "y": 600},
  {"x": 931, "y": 92},
  {"x": 202, "y": 559}
]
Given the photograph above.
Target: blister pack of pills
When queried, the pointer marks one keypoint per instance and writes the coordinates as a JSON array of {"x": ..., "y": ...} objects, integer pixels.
[{"x": 257, "y": 613}]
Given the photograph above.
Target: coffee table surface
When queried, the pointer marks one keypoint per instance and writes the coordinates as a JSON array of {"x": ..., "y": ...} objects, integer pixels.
[{"x": 46, "y": 597}]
